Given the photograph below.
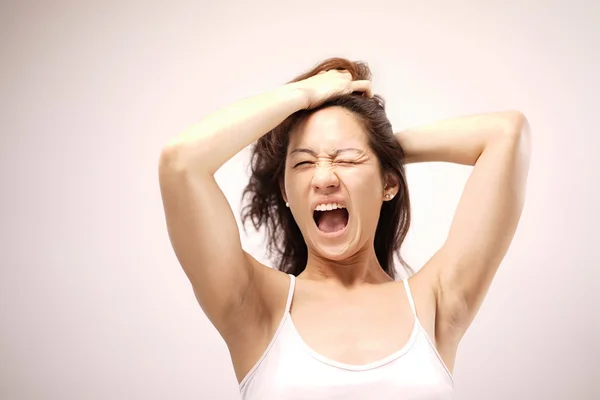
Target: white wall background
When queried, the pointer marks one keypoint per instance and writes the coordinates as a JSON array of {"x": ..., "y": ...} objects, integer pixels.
[{"x": 93, "y": 304}]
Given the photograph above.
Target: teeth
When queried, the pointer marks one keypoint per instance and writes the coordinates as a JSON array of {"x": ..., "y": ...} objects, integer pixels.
[{"x": 328, "y": 207}]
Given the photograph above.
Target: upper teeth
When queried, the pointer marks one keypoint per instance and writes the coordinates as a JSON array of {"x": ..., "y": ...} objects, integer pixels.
[{"x": 328, "y": 207}]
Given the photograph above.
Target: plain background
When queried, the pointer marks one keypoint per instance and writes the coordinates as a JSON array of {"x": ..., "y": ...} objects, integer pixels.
[{"x": 93, "y": 304}]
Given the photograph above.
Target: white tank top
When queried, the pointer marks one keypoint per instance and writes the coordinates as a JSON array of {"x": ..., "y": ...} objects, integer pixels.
[{"x": 290, "y": 370}]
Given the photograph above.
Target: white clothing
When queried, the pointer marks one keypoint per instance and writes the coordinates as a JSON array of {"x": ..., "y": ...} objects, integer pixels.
[{"x": 290, "y": 370}]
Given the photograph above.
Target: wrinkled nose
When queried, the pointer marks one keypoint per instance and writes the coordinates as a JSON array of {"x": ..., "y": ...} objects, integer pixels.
[{"x": 325, "y": 178}]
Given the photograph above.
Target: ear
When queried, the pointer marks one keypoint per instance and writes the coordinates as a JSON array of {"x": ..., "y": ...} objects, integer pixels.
[{"x": 391, "y": 186}]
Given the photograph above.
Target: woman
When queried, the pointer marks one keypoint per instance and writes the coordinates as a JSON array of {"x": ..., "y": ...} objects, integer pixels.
[{"x": 328, "y": 182}]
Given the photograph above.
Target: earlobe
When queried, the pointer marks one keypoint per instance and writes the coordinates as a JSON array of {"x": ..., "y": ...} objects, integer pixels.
[
  {"x": 283, "y": 196},
  {"x": 391, "y": 187}
]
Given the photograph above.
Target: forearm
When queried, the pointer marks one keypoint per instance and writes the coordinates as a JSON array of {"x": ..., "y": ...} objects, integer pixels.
[
  {"x": 459, "y": 140},
  {"x": 208, "y": 144}
]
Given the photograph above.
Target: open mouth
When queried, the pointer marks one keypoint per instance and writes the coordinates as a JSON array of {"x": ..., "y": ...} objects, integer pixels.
[{"x": 331, "y": 221}]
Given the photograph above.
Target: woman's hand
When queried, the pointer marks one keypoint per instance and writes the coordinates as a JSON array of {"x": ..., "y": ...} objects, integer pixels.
[{"x": 329, "y": 84}]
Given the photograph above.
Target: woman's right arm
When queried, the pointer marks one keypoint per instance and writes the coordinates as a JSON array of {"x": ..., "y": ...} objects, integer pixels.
[
  {"x": 202, "y": 228},
  {"x": 203, "y": 231}
]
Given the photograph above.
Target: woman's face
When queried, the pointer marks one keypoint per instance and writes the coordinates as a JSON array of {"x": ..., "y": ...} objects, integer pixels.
[{"x": 333, "y": 184}]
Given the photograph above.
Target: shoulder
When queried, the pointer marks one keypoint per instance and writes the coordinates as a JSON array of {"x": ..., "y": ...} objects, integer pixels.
[
  {"x": 262, "y": 310},
  {"x": 424, "y": 293},
  {"x": 267, "y": 295},
  {"x": 440, "y": 309},
  {"x": 438, "y": 323}
]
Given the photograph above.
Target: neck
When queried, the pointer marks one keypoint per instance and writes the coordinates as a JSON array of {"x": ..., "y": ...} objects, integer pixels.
[{"x": 361, "y": 268}]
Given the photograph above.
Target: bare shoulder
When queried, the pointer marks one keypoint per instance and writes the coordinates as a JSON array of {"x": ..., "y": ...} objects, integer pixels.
[
  {"x": 271, "y": 290},
  {"x": 263, "y": 303},
  {"x": 258, "y": 318},
  {"x": 423, "y": 289},
  {"x": 439, "y": 327}
]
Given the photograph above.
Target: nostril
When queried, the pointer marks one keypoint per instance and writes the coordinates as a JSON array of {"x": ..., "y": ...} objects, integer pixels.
[{"x": 326, "y": 186}]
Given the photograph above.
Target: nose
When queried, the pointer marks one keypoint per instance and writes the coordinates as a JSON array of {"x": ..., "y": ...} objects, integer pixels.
[{"x": 324, "y": 177}]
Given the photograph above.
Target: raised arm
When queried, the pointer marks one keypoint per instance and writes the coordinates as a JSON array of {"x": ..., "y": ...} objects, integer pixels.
[
  {"x": 498, "y": 145},
  {"x": 201, "y": 225},
  {"x": 202, "y": 228}
]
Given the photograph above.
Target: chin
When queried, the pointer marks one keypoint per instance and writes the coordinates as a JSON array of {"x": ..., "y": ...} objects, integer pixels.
[{"x": 333, "y": 253}]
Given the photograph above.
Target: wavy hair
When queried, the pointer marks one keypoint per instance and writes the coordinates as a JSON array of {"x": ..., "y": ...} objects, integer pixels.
[{"x": 266, "y": 207}]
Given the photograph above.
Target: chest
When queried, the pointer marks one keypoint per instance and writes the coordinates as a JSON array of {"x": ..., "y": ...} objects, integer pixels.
[{"x": 354, "y": 331}]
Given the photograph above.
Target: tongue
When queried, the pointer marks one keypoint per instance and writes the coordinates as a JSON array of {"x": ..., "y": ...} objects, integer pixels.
[{"x": 332, "y": 221}]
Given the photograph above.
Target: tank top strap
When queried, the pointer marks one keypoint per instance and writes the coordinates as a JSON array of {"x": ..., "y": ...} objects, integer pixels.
[
  {"x": 410, "y": 297},
  {"x": 290, "y": 293}
]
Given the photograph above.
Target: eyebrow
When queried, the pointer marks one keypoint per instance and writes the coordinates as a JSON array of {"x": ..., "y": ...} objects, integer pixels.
[{"x": 333, "y": 154}]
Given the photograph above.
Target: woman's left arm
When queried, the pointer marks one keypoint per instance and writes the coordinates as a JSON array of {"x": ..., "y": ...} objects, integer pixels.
[{"x": 498, "y": 145}]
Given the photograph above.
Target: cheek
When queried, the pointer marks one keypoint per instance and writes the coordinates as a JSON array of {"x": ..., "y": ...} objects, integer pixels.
[
  {"x": 362, "y": 180},
  {"x": 366, "y": 191},
  {"x": 296, "y": 184}
]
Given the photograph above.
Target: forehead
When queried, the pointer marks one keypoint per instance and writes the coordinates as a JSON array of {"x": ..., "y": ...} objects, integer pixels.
[{"x": 329, "y": 129}]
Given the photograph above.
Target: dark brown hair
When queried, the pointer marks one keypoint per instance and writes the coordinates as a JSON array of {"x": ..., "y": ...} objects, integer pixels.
[{"x": 266, "y": 207}]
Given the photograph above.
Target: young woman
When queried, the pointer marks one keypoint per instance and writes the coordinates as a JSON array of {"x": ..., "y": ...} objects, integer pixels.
[{"x": 328, "y": 183}]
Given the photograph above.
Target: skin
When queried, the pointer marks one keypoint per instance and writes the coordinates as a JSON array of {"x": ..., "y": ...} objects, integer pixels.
[
  {"x": 354, "y": 175},
  {"x": 344, "y": 307}
]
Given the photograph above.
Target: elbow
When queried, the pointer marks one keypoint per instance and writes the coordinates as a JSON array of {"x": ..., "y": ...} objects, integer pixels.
[
  {"x": 176, "y": 161},
  {"x": 518, "y": 132},
  {"x": 522, "y": 130},
  {"x": 179, "y": 157},
  {"x": 520, "y": 143},
  {"x": 518, "y": 125},
  {"x": 171, "y": 158}
]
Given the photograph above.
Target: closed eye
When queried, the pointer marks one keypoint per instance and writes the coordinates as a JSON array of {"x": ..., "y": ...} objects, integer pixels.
[
  {"x": 303, "y": 162},
  {"x": 345, "y": 162}
]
